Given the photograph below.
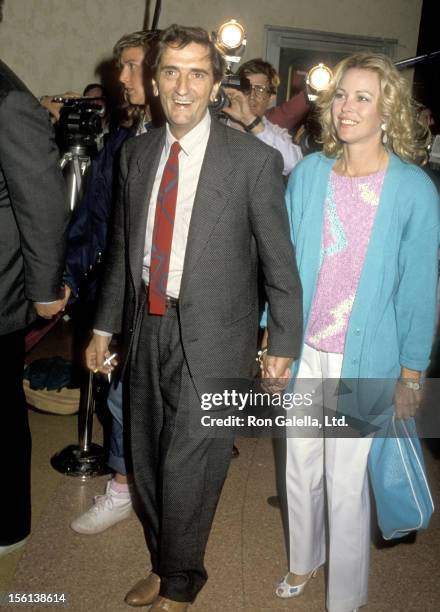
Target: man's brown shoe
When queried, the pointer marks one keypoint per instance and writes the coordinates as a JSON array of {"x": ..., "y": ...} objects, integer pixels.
[
  {"x": 144, "y": 592},
  {"x": 162, "y": 604}
]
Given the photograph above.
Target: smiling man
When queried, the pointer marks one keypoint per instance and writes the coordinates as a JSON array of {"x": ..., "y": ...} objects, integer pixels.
[{"x": 201, "y": 209}]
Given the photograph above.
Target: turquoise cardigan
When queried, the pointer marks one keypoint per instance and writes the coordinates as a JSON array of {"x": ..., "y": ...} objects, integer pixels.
[{"x": 394, "y": 312}]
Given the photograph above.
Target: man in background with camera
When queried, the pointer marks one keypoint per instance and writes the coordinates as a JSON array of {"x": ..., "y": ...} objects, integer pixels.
[
  {"x": 34, "y": 215},
  {"x": 247, "y": 109},
  {"x": 200, "y": 210}
]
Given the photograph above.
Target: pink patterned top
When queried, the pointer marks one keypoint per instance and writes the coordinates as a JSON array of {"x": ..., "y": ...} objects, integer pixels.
[{"x": 349, "y": 213}]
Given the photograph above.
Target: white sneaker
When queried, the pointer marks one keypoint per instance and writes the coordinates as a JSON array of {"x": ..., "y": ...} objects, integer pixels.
[
  {"x": 107, "y": 510},
  {"x": 5, "y": 550}
]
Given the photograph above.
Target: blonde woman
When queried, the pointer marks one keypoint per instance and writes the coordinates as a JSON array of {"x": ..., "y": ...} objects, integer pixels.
[{"x": 365, "y": 222}]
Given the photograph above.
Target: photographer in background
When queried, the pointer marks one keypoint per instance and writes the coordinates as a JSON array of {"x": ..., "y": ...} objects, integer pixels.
[{"x": 247, "y": 110}]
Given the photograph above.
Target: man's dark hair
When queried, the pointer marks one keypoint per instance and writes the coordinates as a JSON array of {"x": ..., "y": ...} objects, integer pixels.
[
  {"x": 178, "y": 37},
  {"x": 259, "y": 66},
  {"x": 91, "y": 86}
]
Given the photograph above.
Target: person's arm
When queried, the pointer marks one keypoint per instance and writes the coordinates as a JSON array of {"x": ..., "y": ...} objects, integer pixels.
[
  {"x": 110, "y": 305},
  {"x": 243, "y": 118},
  {"x": 416, "y": 296},
  {"x": 37, "y": 191},
  {"x": 281, "y": 140},
  {"x": 54, "y": 108},
  {"x": 277, "y": 258}
]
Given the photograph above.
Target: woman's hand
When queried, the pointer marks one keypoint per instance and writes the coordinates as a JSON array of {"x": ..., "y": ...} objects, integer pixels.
[{"x": 407, "y": 397}]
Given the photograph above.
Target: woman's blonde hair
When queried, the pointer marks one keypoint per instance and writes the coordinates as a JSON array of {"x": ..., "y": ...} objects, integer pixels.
[{"x": 406, "y": 136}]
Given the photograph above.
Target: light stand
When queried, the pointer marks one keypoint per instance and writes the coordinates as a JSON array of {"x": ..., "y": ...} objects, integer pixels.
[{"x": 84, "y": 460}]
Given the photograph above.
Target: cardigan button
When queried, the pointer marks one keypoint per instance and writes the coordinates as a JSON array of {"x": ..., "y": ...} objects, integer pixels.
[
  {"x": 357, "y": 331},
  {"x": 354, "y": 361}
]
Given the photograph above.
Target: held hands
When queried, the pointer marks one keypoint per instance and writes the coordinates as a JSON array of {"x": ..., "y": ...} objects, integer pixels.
[
  {"x": 97, "y": 353},
  {"x": 275, "y": 372}
]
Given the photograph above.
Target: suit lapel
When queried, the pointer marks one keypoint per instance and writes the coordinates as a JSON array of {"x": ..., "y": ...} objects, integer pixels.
[
  {"x": 140, "y": 184},
  {"x": 212, "y": 196}
]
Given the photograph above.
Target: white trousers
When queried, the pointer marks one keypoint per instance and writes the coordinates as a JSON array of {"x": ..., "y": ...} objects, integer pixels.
[{"x": 329, "y": 473}]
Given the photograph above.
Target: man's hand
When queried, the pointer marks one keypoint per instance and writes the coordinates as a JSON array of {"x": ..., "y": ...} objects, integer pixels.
[
  {"x": 239, "y": 110},
  {"x": 47, "y": 311},
  {"x": 54, "y": 108},
  {"x": 276, "y": 372},
  {"x": 97, "y": 352}
]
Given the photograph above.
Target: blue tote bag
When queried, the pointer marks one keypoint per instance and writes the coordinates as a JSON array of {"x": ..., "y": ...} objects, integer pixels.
[{"x": 397, "y": 474}]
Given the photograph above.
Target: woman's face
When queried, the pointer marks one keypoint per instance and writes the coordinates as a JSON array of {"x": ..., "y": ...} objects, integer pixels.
[{"x": 355, "y": 111}]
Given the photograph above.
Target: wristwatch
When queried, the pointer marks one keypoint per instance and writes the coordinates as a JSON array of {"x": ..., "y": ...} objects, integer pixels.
[{"x": 253, "y": 124}]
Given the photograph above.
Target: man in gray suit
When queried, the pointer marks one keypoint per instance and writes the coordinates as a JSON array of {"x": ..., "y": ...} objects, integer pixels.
[
  {"x": 33, "y": 229},
  {"x": 200, "y": 209}
]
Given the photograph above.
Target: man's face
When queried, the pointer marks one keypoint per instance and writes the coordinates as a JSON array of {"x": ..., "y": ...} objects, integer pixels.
[
  {"x": 132, "y": 74},
  {"x": 97, "y": 92},
  {"x": 260, "y": 96},
  {"x": 185, "y": 85}
]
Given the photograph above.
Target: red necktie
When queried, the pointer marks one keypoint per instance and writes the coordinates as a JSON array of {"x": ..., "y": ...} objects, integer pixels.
[{"x": 163, "y": 233}]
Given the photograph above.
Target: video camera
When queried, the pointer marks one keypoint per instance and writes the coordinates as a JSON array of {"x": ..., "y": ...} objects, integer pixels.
[
  {"x": 80, "y": 121},
  {"x": 234, "y": 82}
]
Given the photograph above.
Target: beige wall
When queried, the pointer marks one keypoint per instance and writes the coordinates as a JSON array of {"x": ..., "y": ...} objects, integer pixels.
[{"x": 55, "y": 45}]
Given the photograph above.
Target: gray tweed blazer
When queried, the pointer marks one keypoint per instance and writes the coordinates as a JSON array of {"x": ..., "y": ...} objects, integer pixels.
[{"x": 238, "y": 230}]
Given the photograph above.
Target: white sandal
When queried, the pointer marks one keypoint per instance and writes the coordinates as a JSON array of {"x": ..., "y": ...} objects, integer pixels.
[{"x": 286, "y": 590}]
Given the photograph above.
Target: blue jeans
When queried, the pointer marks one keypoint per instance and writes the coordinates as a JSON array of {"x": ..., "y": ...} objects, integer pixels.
[{"x": 116, "y": 456}]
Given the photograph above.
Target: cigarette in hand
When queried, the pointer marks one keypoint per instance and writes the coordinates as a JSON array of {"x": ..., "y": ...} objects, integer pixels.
[
  {"x": 108, "y": 362},
  {"x": 109, "y": 359}
]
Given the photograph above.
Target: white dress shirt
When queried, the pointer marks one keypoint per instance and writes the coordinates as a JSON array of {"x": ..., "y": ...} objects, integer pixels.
[
  {"x": 280, "y": 139},
  {"x": 190, "y": 163}
]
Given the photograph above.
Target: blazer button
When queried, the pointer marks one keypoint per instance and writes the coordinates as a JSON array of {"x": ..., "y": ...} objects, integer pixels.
[{"x": 130, "y": 330}]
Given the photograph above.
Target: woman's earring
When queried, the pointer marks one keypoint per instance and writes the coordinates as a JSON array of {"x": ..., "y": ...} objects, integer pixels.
[{"x": 383, "y": 127}]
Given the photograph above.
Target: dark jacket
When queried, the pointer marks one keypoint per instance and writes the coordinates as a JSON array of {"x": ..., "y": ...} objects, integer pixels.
[
  {"x": 88, "y": 229},
  {"x": 34, "y": 211}
]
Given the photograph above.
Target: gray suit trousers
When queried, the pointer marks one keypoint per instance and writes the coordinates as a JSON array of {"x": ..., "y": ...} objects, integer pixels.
[{"x": 178, "y": 478}]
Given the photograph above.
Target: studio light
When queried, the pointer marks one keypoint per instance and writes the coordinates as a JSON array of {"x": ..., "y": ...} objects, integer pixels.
[
  {"x": 318, "y": 79},
  {"x": 231, "y": 35}
]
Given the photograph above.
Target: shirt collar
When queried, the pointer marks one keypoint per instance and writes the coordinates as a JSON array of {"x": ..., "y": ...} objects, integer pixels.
[{"x": 193, "y": 139}]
